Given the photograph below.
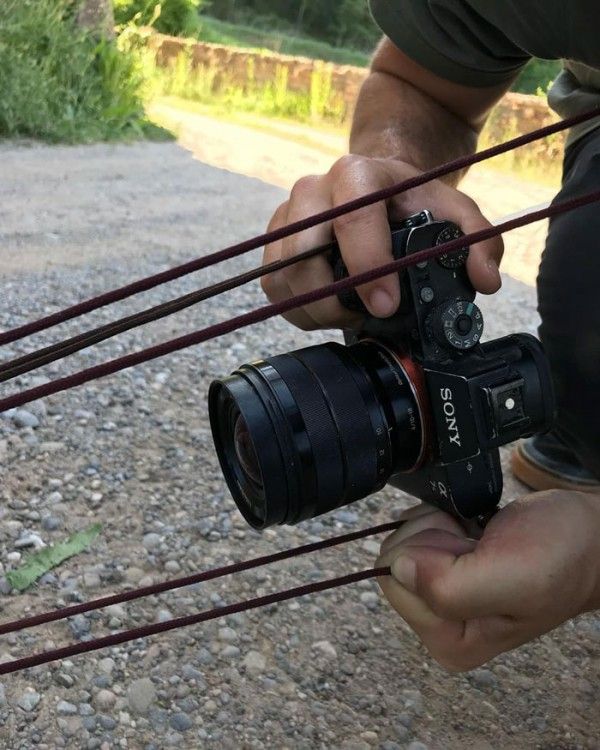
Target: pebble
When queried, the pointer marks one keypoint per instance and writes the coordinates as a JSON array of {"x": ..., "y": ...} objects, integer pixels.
[
  {"x": 151, "y": 541},
  {"x": 254, "y": 662},
  {"x": 66, "y": 708},
  {"x": 163, "y": 615},
  {"x": 413, "y": 701},
  {"x": 64, "y": 679},
  {"x": 29, "y": 700},
  {"x": 51, "y": 523},
  {"x": 106, "y": 722},
  {"x": 80, "y": 626},
  {"x": 370, "y": 599},
  {"x": 24, "y": 418},
  {"x": 107, "y": 664},
  {"x": 230, "y": 652},
  {"x": 30, "y": 540},
  {"x": 91, "y": 580},
  {"x": 327, "y": 648},
  {"x": 181, "y": 722},
  {"x": 229, "y": 635},
  {"x": 141, "y": 695},
  {"x": 373, "y": 548},
  {"x": 105, "y": 700},
  {"x": 417, "y": 746},
  {"x": 484, "y": 679}
]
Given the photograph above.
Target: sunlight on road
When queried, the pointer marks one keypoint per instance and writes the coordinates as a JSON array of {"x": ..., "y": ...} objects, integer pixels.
[{"x": 280, "y": 153}]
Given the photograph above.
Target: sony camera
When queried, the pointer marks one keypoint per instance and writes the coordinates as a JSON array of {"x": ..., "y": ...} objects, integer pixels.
[{"x": 415, "y": 400}]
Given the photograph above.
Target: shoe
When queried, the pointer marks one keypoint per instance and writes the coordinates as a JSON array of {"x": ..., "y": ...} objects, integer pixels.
[{"x": 544, "y": 462}]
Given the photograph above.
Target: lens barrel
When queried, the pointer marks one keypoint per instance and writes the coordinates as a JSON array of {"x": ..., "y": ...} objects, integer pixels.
[{"x": 300, "y": 434}]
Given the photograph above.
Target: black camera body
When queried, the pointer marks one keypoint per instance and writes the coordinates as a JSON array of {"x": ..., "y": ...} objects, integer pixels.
[{"x": 415, "y": 400}]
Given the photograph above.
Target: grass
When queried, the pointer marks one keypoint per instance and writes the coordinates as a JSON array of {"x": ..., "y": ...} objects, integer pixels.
[
  {"x": 214, "y": 88},
  {"x": 236, "y": 35},
  {"x": 534, "y": 79},
  {"x": 60, "y": 84}
]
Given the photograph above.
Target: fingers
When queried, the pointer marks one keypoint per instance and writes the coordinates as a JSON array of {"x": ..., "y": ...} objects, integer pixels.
[
  {"x": 419, "y": 518},
  {"x": 449, "y": 204},
  {"x": 364, "y": 236},
  {"x": 275, "y": 285},
  {"x": 309, "y": 196}
]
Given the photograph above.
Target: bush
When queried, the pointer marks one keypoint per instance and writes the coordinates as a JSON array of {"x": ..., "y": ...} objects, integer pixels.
[
  {"x": 59, "y": 83},
  {"x": 175, "y": 17}
]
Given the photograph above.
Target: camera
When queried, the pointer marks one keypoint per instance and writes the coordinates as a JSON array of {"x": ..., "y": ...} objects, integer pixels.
[{"x": 415, "y": 400}]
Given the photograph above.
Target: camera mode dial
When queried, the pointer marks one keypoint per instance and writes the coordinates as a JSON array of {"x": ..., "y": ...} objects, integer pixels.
[
  {"x": 458, "y": 323},
  {"x": 456, "y": 259}
]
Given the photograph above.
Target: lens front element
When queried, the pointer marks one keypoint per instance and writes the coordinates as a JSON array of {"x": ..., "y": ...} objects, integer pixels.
[{"x": 300, "y": 434}]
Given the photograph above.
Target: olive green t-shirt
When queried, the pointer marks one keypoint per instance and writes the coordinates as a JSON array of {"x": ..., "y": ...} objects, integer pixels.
[{"x": 486, "y": 42}]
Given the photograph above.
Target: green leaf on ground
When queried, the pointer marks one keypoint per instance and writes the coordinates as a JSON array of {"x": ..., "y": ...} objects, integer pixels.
[{"x": 45, "y": 559}]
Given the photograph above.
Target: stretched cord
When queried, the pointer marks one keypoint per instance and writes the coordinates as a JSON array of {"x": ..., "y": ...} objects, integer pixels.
[
  {"x": 233, "y": 251},
  {"x": 279, "y": 308}
]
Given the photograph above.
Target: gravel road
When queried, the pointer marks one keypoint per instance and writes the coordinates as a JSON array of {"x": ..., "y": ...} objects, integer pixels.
[{"x": 336, "y": 670}]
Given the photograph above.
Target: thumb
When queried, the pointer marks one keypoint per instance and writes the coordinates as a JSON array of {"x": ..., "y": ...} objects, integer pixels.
[{"x": 451, "y": 576}]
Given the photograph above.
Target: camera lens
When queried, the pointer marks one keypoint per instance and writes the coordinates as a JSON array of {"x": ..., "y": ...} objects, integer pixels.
[
  {"x": 245, "y": 451},
  {"x": 300, "y": 434}
]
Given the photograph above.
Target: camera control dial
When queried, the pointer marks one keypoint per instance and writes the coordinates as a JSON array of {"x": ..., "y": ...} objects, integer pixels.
[
  {"x": 457, "y": 323},
  {"x": 458, "y": 258}
]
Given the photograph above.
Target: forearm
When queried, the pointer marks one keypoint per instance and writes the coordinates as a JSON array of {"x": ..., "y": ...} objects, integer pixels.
[
  {"x": 393, "y": 119},
  {"x": 592, "y": 560}
]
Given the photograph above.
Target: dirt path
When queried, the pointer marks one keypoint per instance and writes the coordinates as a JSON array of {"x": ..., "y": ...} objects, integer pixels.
[
  {"x": 279, "y": 153},
  {"x": 133, "y": 452}
]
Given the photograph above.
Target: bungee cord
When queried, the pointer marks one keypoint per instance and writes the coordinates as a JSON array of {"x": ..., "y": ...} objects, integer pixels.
[
  {"x": 208, "y": 575},
  {"x": 150, "y": 282},
  {"x": 269, "y": 311},
  {"x": 41, "y": 357},
  {"x": 181, "y": 622},
  {"x": 36, "y": 359}
]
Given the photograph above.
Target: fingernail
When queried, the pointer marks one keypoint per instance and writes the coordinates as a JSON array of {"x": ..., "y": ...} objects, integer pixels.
[
  {"x": 404, "y": 570},
  {"x": 381, "y": 303}
]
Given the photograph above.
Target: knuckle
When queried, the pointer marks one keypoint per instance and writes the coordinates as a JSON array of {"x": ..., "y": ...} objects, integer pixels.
[
  {"x": 349, "y": 164},
  {"x": 303, "y": 187},
  {"x": 278, "y": 218},
  {"x": 267, "y": 284}
]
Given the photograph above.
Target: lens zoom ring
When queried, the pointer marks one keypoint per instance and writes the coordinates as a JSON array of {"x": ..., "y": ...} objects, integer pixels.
[
  {"x": 321, "y": 431},
  {"x": 349, "y": 412}
]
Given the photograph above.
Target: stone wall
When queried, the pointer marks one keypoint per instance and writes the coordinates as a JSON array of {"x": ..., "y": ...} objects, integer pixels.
[{"x": 514, "y": 115}]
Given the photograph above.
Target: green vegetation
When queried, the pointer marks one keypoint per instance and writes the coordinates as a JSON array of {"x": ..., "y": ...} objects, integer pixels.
[
  {"x": 175, "y": 17},
  {"x": 339, "y": 23},
  {"x": 236, "y": 35},
  {"x": 59, "y": 83},
  {"x": 537, "y": 76},
  {"x": 214, "y": 87}
]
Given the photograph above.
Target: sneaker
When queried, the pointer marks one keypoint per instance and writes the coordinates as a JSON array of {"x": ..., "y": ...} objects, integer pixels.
[{"x": 544, "y": 462}]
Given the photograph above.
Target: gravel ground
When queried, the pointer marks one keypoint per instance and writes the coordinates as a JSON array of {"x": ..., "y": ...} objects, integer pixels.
[{"x": 337, "y": 670}]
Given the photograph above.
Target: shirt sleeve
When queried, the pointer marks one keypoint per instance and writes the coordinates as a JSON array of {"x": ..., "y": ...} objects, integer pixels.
[{"x": 451, "y": 39}]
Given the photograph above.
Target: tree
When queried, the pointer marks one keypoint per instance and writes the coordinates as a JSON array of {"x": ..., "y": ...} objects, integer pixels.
[{"x": 97, "y": 15}]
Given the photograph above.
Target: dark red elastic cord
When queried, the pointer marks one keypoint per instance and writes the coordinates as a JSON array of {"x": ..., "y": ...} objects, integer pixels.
[
  {"x": 180, "y": 622},
  {"x": 279, "y": 308},
  {"x": 208, "y": 575},
  {"x": 233, "y": 251},
  {"x": 41, "y": 357}
]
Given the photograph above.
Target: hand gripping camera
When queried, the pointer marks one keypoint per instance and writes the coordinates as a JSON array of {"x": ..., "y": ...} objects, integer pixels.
[{"x": 415, "y": 400}]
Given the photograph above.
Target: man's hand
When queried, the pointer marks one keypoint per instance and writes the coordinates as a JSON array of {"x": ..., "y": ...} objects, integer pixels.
[
  {"x": 364, "y": 237},
  {"x": 536, "y": 565}
]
